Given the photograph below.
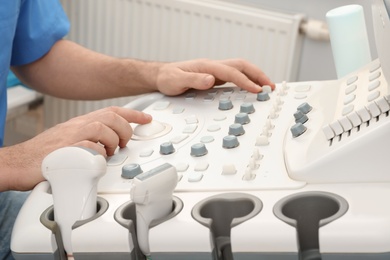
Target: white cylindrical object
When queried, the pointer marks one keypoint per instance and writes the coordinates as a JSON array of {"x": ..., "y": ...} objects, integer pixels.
[{"x": 348, "y": 37}]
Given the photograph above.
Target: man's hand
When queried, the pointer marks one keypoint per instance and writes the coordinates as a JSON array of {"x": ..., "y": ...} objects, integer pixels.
[
  {"x": 177, "y": 77},
  {"x": 102, "y": 130}
]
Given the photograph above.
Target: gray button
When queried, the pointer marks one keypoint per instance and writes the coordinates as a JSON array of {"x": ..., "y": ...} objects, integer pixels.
[
  {"x": 262, "y": 96},
  {"x": 247, "y": 108},
  {"x": 305, "y": 108},
  {"x": 236, "y": 129},
  {"x": 230, "y": 141},
  {"x": 242, "y": 118},
  {"x": 225, "y": 104},
  {"x": 300, "y": 117},
  {"x": 129, "y": 171},
  {"x": 167, "y": 148},
  {"x": 198, "y": 149},
  {"x": 298, "y": 129}
]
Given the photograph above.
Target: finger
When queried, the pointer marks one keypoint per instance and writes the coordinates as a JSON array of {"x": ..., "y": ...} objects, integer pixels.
[
  {"x": 251, "y": 71},
  {"x": 100, "y": 133},
  {"x": 118, "y": 118},
  {"x": 92, "y": 145},
  {"x": 223, "y": 71}
]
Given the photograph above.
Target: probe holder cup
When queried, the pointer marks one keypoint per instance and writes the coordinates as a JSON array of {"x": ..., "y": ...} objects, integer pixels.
[
  {"x": 307, "y": 212},
  {"x": 47, "y": 219},
  {"x": 220, "y": 213},
  {"x": 126, "y": 216}
]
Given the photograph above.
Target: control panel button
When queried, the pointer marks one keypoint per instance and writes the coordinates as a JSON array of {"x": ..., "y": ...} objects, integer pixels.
[
  {"x": 247, "y": 108},
  {"x": 230, "y": 141},
  {"x": 242, "y": 118},
  {"x": 129, "y": 171},
  {"x": 198, "y": 149},
  {"x": 236, "y": 129},
  {"x": 300, "y": 117},
  {"x": 305, "y": 108},
  {"x": 225, "y": 104},
  {"x": 262, "y": 96},
  {"x": 167, "y": 148},
  {"x": 298, "y": 129}
]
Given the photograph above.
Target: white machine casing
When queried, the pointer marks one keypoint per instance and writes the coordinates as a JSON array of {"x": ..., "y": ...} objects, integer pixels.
[{"x": 334, "y": 173}]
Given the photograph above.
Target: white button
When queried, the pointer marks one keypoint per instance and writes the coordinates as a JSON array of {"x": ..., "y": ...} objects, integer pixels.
[
  {"x": 267, "y": 88},
  {"x": 249, "y": 175},
  {"x": 228, "y": 169},
  {"x": 302, "y": 88},
  {"x": 374, "y": 109},
  {"x": 346, "y": 124},
  {"x": 352, "y": 80},
  {"x": 201, "y": 166},
  {"x": 253, "y": 165},
  {"x": 373, "y": 96},
  {"x": 364, "y": 114},
  {"x": 350, "y": 89},
  {"x": 374, "y": 85},
  {"x": 256, "y": 154},
  {"x": 207, "y": 139},
  {"x": 161, "y": 105},
  {"x": 262, "y": 140},
  {"x": 300, "y": 96},
  {"x": 328, "y": 131},
  {"x": 214, "y": 128},
  {"x": 146, "y": 153},
  {"x": 182, "y": 167},
  {"x": 337, "y": 129},
  {"x": 116, "y": 159},
  {"x": 273, "y": 114},
  {"x": 219, "y": 118},
  {"x": 355, "y": 119},
  {"x": 375, "y": 66},
  {"x": 190, "y": 129},
  {"x": 192, "y": 119},
  {"x": 178, "y": 110},
  {"x": 383, "y": 105},
  {"x": 349, "y": 98},
  {"x": 178, "y": 139},
  {"x": 347, "y": 109},
  {"x": 374, "y": 76},
  {"x": 195, "y": 176}
]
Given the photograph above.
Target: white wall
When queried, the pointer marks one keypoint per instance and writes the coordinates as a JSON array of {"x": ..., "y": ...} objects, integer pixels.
[{"x": 317, "y": 60}]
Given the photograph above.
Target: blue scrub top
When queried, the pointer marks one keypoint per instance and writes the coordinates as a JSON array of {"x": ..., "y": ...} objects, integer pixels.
[{"x": 29, "y": 28}]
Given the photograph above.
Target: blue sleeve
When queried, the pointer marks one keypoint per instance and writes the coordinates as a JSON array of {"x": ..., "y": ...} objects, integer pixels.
[{"x": 40, "y": 24}]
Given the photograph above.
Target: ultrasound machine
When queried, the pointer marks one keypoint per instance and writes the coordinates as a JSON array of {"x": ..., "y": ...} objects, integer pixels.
[{"x": 300, "y": 172}]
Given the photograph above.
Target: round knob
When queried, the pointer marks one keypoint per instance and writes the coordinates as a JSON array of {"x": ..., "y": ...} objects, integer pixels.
[
  {"x": 129, "y": 171},
  {"x": 298, "y": 129},
  {"x": 236, "y": 129},
  {"x": 198, "y": 149},
  {"x": 225, "y": 104},
  {"x": 242, "y": 118},
  {"x": 247, "y": 108},
  {"x": 305, "y": 108},
  {"x": 167, "y": 148},
  {"x": 262, "y": 96},
  {"x": 230, "y": 141},
  {"x": 300, "y": 117}
]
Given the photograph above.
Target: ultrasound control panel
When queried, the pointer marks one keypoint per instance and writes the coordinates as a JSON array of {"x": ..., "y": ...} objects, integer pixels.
[{"x": 297, "y": 173}]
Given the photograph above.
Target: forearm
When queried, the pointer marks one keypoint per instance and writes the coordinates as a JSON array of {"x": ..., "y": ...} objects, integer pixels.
[
  {"x": 18, "y": 169},
  {"x": 74, "y": 72}
]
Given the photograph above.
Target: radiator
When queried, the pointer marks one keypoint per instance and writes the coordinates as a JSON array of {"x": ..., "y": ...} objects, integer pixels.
[{"x": 173, "y": 30}]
